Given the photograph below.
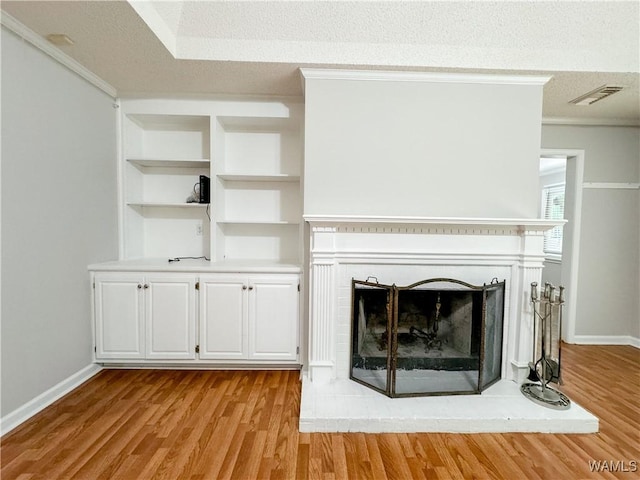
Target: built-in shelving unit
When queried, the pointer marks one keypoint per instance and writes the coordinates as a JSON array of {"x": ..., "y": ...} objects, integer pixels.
[
  {"x": 240, "y": 304},
  {"x": 164, "y": 155},
  {"x": 252, "y": 152},
  {"x": 257, "y": 188}
]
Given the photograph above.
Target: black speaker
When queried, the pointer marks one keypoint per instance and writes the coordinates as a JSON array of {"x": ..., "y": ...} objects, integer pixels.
[{"x": 204, "y": 189}]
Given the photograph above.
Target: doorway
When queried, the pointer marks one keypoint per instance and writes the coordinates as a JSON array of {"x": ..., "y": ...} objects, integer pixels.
[
  {"x": 552, "y": 192},
  {"x": 569, "y": 266}
]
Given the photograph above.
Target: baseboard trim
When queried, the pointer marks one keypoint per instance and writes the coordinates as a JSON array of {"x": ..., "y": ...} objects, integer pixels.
[
  {"x": 197, "y": 366},
  {"x": 29, "y": 409},
  {"x": 607, "y": 340}
]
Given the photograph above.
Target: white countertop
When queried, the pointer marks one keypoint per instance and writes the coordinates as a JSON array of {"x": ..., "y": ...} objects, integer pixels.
[{"x": 199, "y": 265}]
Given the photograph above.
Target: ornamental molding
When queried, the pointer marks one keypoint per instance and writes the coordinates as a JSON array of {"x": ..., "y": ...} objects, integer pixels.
[{"x": 429, "y": 225}]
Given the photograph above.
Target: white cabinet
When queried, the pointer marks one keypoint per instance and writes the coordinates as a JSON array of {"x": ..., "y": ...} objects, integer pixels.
[
  {"x": 192, "y": 317},
  {"x": 170, "y": 308},
  {"x": 250, "y": 317},
  {"x": 119, "y": 316},
  {"x": 141, "y": 316},
  {"x": 223, "y": 317},
  {"x": 273, "y": 317}
]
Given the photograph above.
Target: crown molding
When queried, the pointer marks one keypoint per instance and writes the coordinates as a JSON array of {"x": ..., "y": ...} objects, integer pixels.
[
  {"x": 43, "y": 45},
  {"x": 428, "y": 77},
  {"x": 222, "y": 97},
  {"x": 591, "y": 122}
]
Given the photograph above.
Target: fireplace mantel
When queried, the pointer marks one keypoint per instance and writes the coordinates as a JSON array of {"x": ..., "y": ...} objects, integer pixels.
[
  {"x": 463, "y": 223},
  {"x": 401, "y": 248}
]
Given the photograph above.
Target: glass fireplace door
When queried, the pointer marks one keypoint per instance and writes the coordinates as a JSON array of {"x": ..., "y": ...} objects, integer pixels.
[
  {"x": 493, "y": 320},
  {"x": 370, "y": 337},
  {"x": 435, "y": 337},
  {"x": 438, "y": 339}
]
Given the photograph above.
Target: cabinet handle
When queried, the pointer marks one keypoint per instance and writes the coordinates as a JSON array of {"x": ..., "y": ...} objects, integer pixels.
[
  {"x": 251, "y": 287},
  {"x": 244, "y": 287},
  {"x": 146, "y": 286},
  {"x": 139, "y": 286}
]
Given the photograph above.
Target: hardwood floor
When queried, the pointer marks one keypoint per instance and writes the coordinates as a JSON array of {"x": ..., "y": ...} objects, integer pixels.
[{"x": 143, "y": 424}]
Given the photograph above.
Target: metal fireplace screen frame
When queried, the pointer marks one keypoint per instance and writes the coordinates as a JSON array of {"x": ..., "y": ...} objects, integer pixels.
[{"x": 387, "y": 357}]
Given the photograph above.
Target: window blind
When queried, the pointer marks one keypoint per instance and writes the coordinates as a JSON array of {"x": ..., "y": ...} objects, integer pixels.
[{"x": 553, "y": 209}]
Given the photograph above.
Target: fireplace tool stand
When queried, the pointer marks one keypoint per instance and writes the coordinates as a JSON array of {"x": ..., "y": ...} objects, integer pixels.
[{"x": 547, "y": 319}]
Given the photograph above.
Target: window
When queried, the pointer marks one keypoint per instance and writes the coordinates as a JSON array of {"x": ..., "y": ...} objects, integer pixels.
[{"x": 553, "y": 209}]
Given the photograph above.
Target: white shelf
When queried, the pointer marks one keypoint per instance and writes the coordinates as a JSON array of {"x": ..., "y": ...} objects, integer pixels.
[
  {"x": 169, "y": 163},
  {"x": 256, "y": 222},
  {"x": 167, "y": 205},
  {"x": 234, "y": 177},
  {"x": 241, "y": 123}
]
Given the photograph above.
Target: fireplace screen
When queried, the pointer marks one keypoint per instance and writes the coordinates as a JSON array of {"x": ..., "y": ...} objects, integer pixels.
[{"x": 435, "y": 337}]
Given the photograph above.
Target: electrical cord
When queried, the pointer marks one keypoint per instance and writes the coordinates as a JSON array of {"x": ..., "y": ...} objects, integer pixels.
[
  {"x": 194, "y": 199},
  {"x": 177, "y": 259}
]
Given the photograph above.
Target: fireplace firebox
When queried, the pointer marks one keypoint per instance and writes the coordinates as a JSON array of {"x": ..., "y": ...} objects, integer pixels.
[{"x": 435, "y": 337}]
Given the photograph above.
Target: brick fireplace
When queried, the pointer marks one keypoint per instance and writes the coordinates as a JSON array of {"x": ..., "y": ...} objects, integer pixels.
[{"x": 403, "y": 251}]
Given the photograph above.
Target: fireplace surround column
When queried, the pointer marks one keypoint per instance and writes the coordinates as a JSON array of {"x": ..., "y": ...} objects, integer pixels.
[
  {"x": 529, "y": 270},
  {"x": 322, "y": 305}
]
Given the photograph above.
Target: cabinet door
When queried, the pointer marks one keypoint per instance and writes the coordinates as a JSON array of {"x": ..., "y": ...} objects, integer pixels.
[
  {"x": 273, "y": 317},
  {"x": 223, "y": 317},
  {"x": 119, "y": 315},
  {"x": 170, "y": 317}
]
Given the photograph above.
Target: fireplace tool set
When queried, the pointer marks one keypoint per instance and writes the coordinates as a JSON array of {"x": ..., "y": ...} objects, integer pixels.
[{"x": 547, "y": 335}]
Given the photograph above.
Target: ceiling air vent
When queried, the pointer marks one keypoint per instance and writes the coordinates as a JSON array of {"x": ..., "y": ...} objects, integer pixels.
[{"x": 596, "y": 95}]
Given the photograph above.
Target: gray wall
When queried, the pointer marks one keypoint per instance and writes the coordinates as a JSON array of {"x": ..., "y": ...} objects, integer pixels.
[
  {"x": 421, "y": 148},
  {"x": 59, "y": 213},
  {"x": 609, "y": 262}
]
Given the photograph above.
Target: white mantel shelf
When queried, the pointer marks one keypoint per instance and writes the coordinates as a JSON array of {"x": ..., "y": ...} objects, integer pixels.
[{"x": 448, "y": 222}]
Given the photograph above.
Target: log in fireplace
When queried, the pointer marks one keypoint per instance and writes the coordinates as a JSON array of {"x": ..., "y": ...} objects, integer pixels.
[{"x": 438, "y": 336}]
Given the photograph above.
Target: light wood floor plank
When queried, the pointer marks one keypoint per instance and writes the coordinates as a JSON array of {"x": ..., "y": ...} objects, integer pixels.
[{"x": 205, "y": 425}]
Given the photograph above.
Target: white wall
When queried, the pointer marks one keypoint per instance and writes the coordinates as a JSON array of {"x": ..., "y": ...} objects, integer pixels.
[
  {"x": 58, "y": 215},
  {"x": 609, "y": 263},
  {"x": 421, "y": 148}
]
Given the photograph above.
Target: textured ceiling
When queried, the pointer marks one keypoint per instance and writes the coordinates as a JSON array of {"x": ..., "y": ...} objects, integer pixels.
[
  {"x": 256, "y": 48},
  {"x": 511, "y": 35}
]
